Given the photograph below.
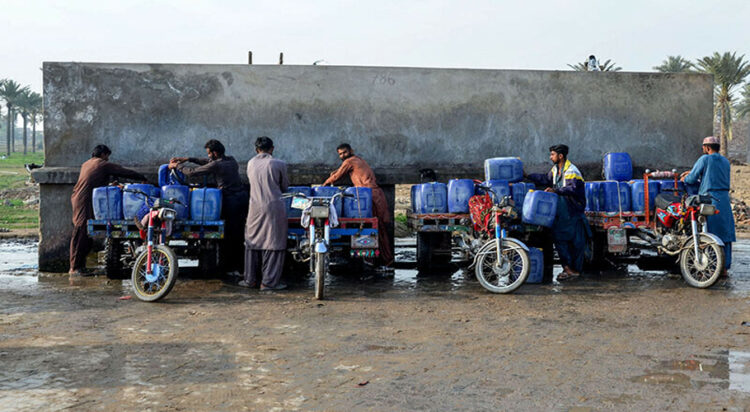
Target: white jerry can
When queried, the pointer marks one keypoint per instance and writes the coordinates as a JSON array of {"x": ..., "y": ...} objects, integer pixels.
[{"x": 617, "y": 240}]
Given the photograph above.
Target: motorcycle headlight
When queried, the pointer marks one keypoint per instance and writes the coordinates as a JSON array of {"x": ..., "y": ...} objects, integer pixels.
[
  {"x": 707, "y": 210},
  {"x": 167, "y": 214}
]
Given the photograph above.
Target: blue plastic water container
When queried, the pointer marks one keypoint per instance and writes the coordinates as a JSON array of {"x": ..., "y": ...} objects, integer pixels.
[
  {"x": 536, "y": 270},
  {"x": 618, "y": 166},
  {"x": 329, "y": 191},
  {"x": 165, "y": 178},
  {"x": 668, "y": 185},
  {"x": 518, "y": 192},
  {"x": 639, "y": 194},
  {"x": 503, "y": 168},
  {"x": 609, "y": 200},
  {"x": 415, "y": 200},
  {"x": 432, "y": 197},
  {"x": 459, "y": 192},
  {"x": 539, "y": 208},
  {"x": 290, "y": 212},
  {"x": 591, "y": 199},
  {"x": 205, "y": 204},
  {"x": 360, "y": 205},
  {"x": 626, "y": 196},
  {"x": 180, "y": 193},
  {"x": 132, "y": 202},
  {"x": 595, "y": 192},
  {"x": 107, "y": 203},
  {"x": 500, "y": 189}
]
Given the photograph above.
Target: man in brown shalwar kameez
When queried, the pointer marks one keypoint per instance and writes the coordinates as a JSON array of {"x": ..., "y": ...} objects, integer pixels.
[
  {"x": 362, "y": 176},
  {"x": 234, "y": 199},
  {"x": 95, "y": 172},
  {"x": 267, "y": 225}
]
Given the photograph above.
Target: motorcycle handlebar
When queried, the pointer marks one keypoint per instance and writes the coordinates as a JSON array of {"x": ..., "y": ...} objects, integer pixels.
[{"x": 139, "y": 192}]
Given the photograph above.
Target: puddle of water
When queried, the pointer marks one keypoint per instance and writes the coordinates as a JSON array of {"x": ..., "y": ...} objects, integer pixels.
[
  {"x": 20, "y": 258},
  {"x": 739, "y": 371},
  {"x": 18, "y": 255},
  {"x": 717, "y": 370},
  {"x": 730, "y": 369},
  {"x": 679, "y": 379}
]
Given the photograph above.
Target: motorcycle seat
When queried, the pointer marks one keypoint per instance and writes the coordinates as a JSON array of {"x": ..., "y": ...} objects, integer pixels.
[
  {"x": 695, "y": 200},
  {"x": 663, "y": 200}
]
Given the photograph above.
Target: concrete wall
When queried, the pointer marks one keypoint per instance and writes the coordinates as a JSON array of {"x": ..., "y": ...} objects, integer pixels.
[{"x": 398, "y": 119}]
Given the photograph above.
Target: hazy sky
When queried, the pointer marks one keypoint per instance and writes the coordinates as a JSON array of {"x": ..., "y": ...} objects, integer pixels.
[{"x": 636, "y": 34}]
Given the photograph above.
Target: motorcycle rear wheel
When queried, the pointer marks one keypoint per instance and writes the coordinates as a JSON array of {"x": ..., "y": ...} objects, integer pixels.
[{"x": 702, "y": 276}]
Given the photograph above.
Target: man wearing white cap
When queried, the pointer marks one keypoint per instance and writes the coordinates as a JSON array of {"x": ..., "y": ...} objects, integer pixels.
[{"x": 711, "y": 172}]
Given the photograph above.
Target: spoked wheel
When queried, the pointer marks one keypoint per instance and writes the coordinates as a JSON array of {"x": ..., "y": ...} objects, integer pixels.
[
  {"x": 508, "y": 274},
  {"x": 702, "y": 272},
  {"x": 321, "y": 267},
  {"x": 153, "y": 286}
]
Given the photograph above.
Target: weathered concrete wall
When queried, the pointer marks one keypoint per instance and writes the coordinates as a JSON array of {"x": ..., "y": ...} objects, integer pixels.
[{"x": 399, "y": 119}]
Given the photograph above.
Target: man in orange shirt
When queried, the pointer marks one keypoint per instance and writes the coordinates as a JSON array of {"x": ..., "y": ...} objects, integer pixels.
[{"x": 362, "y": 176}]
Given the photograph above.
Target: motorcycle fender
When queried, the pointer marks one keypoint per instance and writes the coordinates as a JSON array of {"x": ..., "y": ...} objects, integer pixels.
[
  {"x": 489, "y": 244},
  {"x": 706, "y": 237},
  {"x": 320, "y": 247},
  {"x": 523, "y": 245}
]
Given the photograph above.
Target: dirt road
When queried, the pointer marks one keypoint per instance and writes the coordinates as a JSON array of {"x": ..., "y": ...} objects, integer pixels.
[{"x": 622, "y": 340}]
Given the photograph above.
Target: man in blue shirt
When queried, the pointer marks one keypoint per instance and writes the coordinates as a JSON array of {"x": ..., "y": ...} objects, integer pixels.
[
  {"x": 571, "y": 229},
  {"x": 711, "y": 172}
]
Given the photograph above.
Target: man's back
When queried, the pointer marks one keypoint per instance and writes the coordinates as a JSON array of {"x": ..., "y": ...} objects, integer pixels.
[
  {"x": 267, "y": 178},
  {"x": 717, "y": 172},
  {"x": 266, "y": 225},
  {"x": 93, "y": 174}
]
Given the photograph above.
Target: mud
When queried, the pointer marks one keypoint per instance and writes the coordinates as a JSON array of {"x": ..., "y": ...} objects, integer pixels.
[{"x": 618, "y": 340}]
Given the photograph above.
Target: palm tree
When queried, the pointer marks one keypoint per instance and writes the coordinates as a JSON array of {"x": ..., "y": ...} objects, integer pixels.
[
  {"x": 35, "y": 109},
  {"x": 607, "y": 66},
  {"x": 674, "y": 64},
  {"x": 743, "y": 107},
  {"x": 729, "y": 71},
  {"x": 9, "y": 91},
  {"x": 26, "y": 102}
]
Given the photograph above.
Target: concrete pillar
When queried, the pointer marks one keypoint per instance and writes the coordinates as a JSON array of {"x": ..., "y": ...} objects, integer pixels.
[{"x": 55, "y": 227}]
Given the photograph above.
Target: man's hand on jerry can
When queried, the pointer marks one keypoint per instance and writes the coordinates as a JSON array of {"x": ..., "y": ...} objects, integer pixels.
[
  {"x": 173, "y": 164},
  {"x": 550, "y": 190}
]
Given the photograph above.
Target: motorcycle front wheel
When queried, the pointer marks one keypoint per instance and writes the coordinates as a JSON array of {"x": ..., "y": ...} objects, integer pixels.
[
  {"x": 703, "y": 272},
  {"x": 153, "y": 286},
  {"x": 508, "y": 274},
  {"x": 321, "y": 267}
]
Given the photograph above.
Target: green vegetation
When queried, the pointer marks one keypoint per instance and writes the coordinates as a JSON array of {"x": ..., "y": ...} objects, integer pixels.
[
  {"x": 607, "y": 66},
  {"x": 17, "y": 160},
  {"x": 401, "y": 218},
  {"x": 13, "y": 213},
  {"x": 20, "y": 101},
  {"x": 729, "y": 71},
  {"x": 674, "y": 64},
  {"x": 743, "y": 107}
]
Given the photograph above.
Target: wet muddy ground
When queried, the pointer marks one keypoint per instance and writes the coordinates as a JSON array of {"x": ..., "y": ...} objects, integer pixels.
[{"x": 618, "y": 340}]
